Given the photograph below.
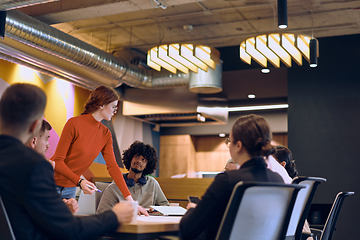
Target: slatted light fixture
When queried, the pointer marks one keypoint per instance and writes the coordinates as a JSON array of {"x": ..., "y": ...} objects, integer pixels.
[
  {"x": 183, "y": 57},
  {"x": 276, "y": 47}
]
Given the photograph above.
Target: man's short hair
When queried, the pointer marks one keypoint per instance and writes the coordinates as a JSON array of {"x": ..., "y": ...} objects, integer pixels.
[
  {"x": 45, "y": 126},
  {"x": 20, "y": 105},
  {"x": 148, "y": 152}
]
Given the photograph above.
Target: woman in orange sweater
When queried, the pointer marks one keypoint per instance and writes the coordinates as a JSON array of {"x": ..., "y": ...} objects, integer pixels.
[{"x": 81, "y": 141}]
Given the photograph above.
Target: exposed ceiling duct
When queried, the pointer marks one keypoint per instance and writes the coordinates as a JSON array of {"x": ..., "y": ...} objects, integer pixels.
[
  {"x": 12, "y": 4},
  {"x": 37, "y": 45},
  {"x": 40, "y": 44}
]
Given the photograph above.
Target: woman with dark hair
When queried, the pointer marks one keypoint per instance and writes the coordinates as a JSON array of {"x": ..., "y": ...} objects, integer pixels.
[
  {"x": 81, "y": 141},
  {"x": 249, "y": 145},
  {"x": 284, "y": 156}
]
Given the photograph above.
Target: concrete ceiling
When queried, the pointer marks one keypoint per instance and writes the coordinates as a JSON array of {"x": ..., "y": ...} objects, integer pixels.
[
  {"x": 114, "y": 24},
  {"x": 117, "y": 25}
]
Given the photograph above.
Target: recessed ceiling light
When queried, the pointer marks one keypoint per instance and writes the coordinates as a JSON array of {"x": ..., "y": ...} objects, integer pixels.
[
  {"x": 265, "y": 70},
  {"x": 251, "y": 96},
  {"x": 221, "y": 134}
]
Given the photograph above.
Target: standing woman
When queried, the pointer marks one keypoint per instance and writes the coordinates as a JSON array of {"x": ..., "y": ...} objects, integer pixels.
[
  {"x": 249, "y": 144},
  {"x": 81, "y": 141}
]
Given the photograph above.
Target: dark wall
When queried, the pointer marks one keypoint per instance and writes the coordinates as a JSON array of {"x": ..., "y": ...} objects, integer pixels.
[{"x": 324, "y": 125}]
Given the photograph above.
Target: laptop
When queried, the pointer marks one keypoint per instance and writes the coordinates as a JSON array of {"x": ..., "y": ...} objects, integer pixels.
[{"x": 170, "y": 210}]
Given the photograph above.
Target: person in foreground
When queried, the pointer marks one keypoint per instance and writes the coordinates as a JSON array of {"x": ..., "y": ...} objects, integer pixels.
[
  {"x": 40, "y": 143},
  {"x": 249, "y": 143},
  {"x": 27, "y": 187},
  {"x": 140, "y": 159},
  {"x": 81, "y": 141}
]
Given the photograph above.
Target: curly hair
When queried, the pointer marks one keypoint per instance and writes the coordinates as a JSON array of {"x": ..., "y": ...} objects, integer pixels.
[{"x": 141, "y": 149}]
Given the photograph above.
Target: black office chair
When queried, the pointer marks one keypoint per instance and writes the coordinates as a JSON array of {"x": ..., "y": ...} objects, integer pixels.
[
  {"x": 328, "y": 230},
  {"x": 6, "y": 232},
  {"x": 302, "y": 207},
  {"x": 258, "y": 210}
]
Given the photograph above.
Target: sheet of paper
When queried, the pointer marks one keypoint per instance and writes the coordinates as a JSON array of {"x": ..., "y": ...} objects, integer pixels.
[{"x": 165, "y": 219}]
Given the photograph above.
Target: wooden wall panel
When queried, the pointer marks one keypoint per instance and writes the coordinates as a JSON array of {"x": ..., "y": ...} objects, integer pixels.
[
  {"x": 281, "y": 138},
  {"x": 180, "y": 154},
  {"x": 211, "y": 153},
  {"x": 176, "y": 155}
]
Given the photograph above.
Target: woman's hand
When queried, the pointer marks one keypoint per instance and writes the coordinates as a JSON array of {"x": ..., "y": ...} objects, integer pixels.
[{"x": 85, "y": 188}]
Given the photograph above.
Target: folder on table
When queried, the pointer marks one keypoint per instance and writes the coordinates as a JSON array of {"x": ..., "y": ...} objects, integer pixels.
[{"x": 170, "y": 210}]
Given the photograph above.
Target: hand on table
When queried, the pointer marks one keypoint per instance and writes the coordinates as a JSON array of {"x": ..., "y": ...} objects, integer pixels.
[
  {"x": 72, "y": 204},
  {"x": 190, "y": 205},
  {"x": 142, "y": 211},
  {"x": 123, "y": 211}
]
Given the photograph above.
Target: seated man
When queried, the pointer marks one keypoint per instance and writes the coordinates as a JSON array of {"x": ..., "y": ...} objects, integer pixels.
[
  {"x": 27, "y": 185},
  {"x": 40, "y": 143},
  {"x": 140, "y": 159}
]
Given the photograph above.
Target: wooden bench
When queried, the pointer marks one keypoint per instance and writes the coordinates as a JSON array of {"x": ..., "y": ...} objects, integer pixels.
[{"x": 178, "y": 189}]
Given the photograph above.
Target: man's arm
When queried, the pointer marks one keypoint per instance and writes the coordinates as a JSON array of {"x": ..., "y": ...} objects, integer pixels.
[{"x": 47, "y": 209}]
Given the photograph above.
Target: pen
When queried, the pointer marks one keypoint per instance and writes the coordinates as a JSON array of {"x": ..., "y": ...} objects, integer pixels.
[{"x": 91, "y": 187}]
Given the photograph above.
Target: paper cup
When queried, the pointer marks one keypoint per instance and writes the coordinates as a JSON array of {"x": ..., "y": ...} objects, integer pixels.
[{"x": 135, "y": 206}]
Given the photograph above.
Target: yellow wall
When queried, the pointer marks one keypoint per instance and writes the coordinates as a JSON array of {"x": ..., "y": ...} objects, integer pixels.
[{"x": 64, "y": 99}]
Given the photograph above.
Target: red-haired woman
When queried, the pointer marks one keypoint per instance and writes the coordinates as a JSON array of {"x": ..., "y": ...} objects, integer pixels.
[{"x": 81, "y": 141}]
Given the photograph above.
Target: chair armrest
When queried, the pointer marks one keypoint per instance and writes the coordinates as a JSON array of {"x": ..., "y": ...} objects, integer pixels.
[
  {"x": 305, "y": 235},
  {"x": 316, "y": 232}
]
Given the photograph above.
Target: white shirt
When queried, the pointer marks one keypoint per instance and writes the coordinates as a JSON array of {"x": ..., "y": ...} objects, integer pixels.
[{"x": 275, "y": 166}]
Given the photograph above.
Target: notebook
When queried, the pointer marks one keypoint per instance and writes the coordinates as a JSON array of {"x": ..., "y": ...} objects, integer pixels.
[{"x": 170, "y": 210}]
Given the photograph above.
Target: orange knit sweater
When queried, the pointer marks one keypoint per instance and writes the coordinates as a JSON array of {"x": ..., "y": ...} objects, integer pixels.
[{"x": 81, "y": 141}]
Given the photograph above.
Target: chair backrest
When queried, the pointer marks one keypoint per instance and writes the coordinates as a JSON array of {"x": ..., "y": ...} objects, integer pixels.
[
  {"x": 302, "y": 205},
  {"x": 101, "y": 186},
  {"x": 86, "y": 204},
  {"x": 333, "y": 215},
  {"x": 258, "y": 210},
  {"x": 6, "y": 232}
]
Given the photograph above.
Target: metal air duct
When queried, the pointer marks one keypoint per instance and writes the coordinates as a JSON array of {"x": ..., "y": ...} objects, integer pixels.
[
  {"x": 12, "y": 4},
  {"x": 39, "y": 44}
]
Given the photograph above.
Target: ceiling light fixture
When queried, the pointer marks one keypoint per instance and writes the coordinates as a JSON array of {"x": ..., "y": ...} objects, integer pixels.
[
  {"x": 200, "y": 118},
  {"x": 159, "y": 4},
  {"x": 183, "y": 57},
  {"x": 260, "y": 107},
  {"x": 251, "y": 96},
  {"x": 265, "y": 70},
  {"x": 244, "y": 108},
  {"x": 222, "y": 135},
  {"x": 282, "y": 14},
  {"x": 276, "y": 47},
  {"x": 314, "y": 52}
]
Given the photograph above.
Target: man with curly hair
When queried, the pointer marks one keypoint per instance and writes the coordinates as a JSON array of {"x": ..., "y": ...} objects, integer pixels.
[{"x": 140, "y": 159}]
